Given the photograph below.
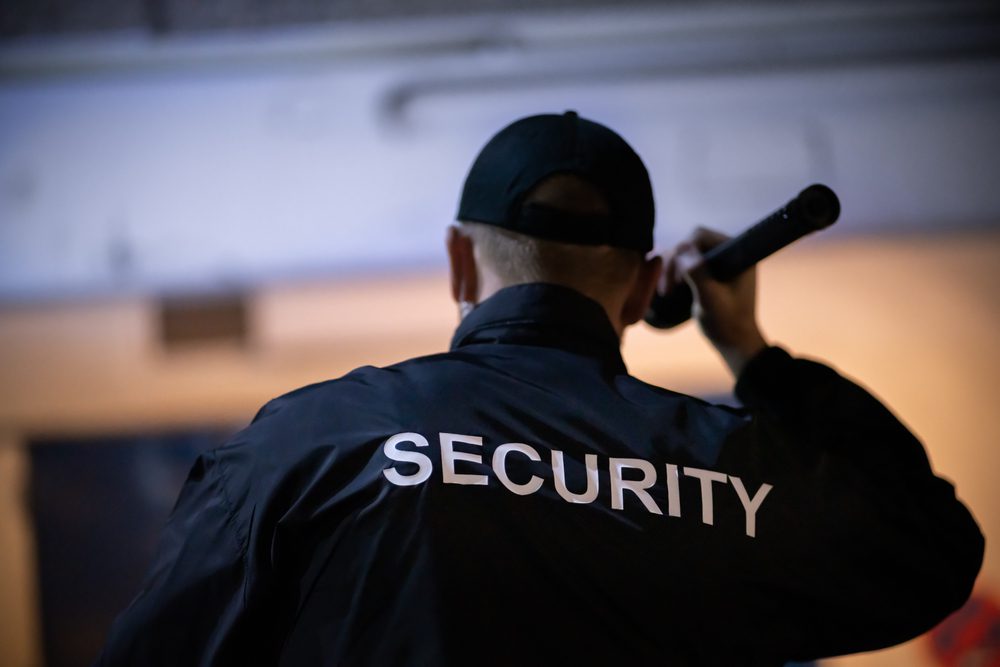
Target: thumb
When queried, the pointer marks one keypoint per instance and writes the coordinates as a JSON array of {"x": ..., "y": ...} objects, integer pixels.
[{"x": 688, "y": 262}]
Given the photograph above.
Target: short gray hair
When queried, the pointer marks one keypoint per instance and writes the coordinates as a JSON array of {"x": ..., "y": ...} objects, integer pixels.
[{"x": 518, "y": 258}]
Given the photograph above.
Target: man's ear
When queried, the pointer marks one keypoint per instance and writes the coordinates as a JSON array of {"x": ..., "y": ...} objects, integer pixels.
[
  {"x": 638, "y": 300},
  {"x": 462, "y": 260}
]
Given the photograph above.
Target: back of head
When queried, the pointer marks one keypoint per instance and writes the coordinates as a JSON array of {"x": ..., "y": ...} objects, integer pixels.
[
  {"x": 515, "y": 258},
  {"x": 559, "y": 199}
]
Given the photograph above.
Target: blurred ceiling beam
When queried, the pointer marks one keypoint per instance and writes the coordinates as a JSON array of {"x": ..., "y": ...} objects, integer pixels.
[
  {"x": 601, "y": 40},
  {"x": 28, "y": 17}
]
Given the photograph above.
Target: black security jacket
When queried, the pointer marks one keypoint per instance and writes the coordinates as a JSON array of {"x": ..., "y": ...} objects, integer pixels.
[{"x": 398, "y": 516}]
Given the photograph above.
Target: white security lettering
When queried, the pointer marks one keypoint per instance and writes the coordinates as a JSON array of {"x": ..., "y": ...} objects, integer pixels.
[
  {"x": 706, "y": 477},
  {"x": 559, "y": 475},
  {"x": 393, "y": 451},
  {"x": 499, "y": 467},
  {"x": 673, "y": 491},
  {"x": 638, "y": 487},
  {"x": 750, "y": 506},
  {"x": 400, "y": 449},
  {"x": 449, "y": 456}
]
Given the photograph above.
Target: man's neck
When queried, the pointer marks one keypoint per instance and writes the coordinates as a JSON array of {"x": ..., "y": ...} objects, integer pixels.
[{"x": 491, "y": 284}]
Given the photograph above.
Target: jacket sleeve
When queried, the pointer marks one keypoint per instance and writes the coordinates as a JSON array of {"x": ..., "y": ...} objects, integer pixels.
[
  {"x": 875, "y": 549},
  {"x": 190, "y": 607}
]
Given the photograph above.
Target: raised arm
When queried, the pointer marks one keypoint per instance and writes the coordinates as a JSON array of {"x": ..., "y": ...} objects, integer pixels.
[{"x": 871, "y": 548}]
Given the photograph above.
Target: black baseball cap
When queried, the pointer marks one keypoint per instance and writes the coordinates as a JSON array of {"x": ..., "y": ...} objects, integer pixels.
[{"x": 530, "y": 150}]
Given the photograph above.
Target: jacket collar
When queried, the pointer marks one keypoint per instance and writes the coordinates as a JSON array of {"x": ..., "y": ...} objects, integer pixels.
[{"x": 545, "y": 315}]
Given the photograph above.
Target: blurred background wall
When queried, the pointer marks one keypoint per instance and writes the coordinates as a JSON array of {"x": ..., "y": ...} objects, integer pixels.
[{"x": 203, "y": 206}]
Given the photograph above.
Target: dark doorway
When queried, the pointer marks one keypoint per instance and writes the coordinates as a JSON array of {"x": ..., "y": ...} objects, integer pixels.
[{"x": 98, "y": 506}]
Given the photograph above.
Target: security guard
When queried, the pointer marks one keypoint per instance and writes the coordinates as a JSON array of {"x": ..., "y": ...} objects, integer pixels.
[{"x": 522, "y": 500}]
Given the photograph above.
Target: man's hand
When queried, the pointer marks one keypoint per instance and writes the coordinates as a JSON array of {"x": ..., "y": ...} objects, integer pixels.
[{"x": 725, "y": 311}]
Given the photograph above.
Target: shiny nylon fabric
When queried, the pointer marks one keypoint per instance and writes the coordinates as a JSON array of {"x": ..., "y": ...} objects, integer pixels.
[{"x": 292, "y": 546}]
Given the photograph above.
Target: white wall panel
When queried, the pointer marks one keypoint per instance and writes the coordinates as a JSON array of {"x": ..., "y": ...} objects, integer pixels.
[{"x": 213, "y": 162}]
